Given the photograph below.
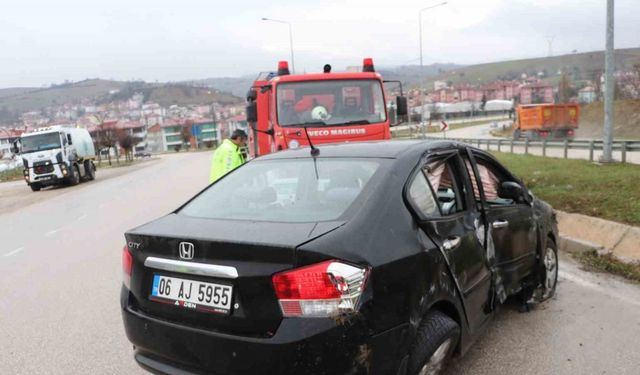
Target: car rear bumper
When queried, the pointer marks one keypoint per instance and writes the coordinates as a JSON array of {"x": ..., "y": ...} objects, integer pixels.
[{"x": 300, "y": 346}]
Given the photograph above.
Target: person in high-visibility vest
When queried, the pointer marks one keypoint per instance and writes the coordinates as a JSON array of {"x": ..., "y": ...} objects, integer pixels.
[{"x": 228, "y": 156}]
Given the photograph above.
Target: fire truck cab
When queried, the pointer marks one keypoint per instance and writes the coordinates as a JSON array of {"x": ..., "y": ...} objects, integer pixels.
[{"x": 289, "y": 110}]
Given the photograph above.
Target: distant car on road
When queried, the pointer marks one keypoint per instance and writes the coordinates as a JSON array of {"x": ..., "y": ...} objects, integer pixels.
[
  {"x": 142, "y": 154},
  {"x": 377, "y": 258}
]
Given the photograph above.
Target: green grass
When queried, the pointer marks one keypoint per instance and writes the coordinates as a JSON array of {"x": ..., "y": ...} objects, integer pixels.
[
  {"x": 11, "y": 175},
  {"x": 607, "y": 191},
  {"x": 608, "y": 263}
]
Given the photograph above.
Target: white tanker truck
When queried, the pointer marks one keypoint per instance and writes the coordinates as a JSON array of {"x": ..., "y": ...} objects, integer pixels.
[{"x": 56, "y": 155}]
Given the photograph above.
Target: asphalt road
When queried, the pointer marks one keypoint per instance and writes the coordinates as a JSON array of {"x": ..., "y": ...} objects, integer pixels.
[{"x": 60, "y": 275}]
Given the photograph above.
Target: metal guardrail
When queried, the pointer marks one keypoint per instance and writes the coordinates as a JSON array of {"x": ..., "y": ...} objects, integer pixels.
[{"x": 592, "y": 145}]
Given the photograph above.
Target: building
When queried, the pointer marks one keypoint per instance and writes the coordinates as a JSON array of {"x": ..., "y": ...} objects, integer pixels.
[
  {"x": 587, "y": 95},
  {"x": 536, "y": 93},
  {"x": 7, "y": 137}
]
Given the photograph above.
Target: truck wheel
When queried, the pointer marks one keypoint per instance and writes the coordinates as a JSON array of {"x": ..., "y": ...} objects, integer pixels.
[
  {"x": 35, "y": 187},
  {"x": 90, "y": 171},
  {"x": 517, "y": 134},
  {"x": 435, "y": 342},
  {"x": 74, "y": 179},
  {"x": 549, "y": 276}
]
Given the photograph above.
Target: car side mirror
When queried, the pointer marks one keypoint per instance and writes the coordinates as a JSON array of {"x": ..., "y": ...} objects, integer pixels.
[
  {"x": 69, "y": 139},
  {"x": 511, "y": 190},
  {"x": 252, "y": 112},
  {"x": 401, "y": 106}
]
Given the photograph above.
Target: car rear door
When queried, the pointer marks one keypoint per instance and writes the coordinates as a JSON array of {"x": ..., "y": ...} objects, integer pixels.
[
  {"x": 438, "y": 192},
  {"x": 511, "y": 223}
]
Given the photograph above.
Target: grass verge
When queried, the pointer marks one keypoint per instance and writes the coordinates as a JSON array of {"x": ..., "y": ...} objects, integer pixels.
[
  {"x": 11, "y": 175},
  {"x": 594, "y": 262},
  {"x": 608, "y": 191}
]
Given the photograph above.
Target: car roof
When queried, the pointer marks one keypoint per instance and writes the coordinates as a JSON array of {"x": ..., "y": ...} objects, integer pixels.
[{"x": 377, "y": 149}]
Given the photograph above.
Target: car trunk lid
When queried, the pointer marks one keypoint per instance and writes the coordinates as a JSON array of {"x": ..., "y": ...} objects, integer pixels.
[{"x": 242, "y": 257}]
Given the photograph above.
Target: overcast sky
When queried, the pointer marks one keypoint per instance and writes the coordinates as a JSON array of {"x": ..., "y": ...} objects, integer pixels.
[{"x": 48, "y": 41}]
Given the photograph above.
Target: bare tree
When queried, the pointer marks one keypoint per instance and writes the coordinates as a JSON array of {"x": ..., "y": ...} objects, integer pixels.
[{"x": 127, "y": 142}]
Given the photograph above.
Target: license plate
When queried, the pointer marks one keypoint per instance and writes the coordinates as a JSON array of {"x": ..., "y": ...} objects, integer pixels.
[{"x": 192, "y": 294}]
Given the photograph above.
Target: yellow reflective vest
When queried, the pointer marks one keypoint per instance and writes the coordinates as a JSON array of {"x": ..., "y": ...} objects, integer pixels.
[{"x": 226, "y": 158}]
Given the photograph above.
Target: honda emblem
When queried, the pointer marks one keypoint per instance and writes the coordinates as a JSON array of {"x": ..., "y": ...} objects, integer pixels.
[{"x": 186, "y": 250}]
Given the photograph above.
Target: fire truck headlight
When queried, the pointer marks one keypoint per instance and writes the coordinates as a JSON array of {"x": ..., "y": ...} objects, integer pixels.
[{"x": 294, "y": 144}]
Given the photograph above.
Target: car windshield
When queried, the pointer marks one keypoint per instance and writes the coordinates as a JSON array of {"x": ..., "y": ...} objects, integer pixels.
[
  {"x": 40, "y": 142},
  {"x": 330, "y": 103},
  {"x": 288, "y": 190}
]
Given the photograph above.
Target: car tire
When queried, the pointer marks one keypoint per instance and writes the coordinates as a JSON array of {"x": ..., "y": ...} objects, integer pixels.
[
  {"x": 435, "y": 342},
  {"x": 74, "y": 179},
  {"x": 549, "y": 273},
  {"x": 35, "y": 187},
  {"x": 90, "y": 170}
]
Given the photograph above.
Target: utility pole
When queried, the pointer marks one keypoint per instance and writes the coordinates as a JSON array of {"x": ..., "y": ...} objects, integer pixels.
[
  {"x": 609, "y": 84},
  {"x": 293, "y": 65},
  {"x": 422, "y": 77},
  {"x": 550, "y": 39}
]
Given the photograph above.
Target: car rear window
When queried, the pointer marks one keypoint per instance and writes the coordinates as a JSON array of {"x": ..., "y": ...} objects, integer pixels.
[{"x": 286, "y": 190}]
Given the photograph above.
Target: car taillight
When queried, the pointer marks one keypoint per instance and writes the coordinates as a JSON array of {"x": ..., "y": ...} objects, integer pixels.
[
  {"x": 127, "y": 263},
  {"x": 325, "y": 289}
]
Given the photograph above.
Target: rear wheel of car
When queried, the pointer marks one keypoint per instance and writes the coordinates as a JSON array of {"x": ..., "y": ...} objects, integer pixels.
[
  {"x": 90, "y": 170},
  {"x": 35, "y": 187},
  {"x": 549, "y": 277},
  {"x": 435, "y": 342}
]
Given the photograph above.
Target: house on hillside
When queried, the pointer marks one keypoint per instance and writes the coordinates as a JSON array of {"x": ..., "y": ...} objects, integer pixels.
[
  {"x": 587, "y": 95},
  {"x": 536, "y": 93}
]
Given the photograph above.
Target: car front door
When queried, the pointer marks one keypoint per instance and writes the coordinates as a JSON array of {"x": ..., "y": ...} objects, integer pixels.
[
  {"x": 439, "y": 193},
  {"x": 511, "y": 223}
]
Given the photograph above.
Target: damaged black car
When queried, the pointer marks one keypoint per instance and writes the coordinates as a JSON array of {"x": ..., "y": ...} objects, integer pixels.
[{"x": 362, "y": 258}]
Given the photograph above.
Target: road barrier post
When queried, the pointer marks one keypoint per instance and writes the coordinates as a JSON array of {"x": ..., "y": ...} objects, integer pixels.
[
  {"x": 511, "y": 146},
  {"x": 478, "y": 143},
  {"x": 488, "y": 144},
  {"x": 499, "y": 142},
  {"x": 526, "y": 146},
  {"x": 566, "y": 148},
  {"x": 544, "y": 147},
  {"x": 624, "y": 151},
  {"x": 591, "y": 150}
]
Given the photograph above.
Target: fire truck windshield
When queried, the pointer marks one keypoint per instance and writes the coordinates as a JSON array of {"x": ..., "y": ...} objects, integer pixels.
[{"x": 330, "y": 102}]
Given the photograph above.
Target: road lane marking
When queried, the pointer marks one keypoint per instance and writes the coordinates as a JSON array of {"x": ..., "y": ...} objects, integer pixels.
[
  {"x": 52, "y": 232},
  {"x": 13, "y": 252},
  {"x": 591, "y": 285}
]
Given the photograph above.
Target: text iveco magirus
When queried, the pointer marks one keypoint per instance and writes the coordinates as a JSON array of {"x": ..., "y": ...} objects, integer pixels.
[{"x": 362, "y": 258}]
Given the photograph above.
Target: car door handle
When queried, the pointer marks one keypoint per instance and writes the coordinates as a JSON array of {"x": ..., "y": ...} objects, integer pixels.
[
  {"x": 500, "y": 224},
  {"x": 451, "y": 243}
]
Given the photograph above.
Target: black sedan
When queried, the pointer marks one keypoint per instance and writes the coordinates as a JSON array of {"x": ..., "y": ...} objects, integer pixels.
[{"x": 372, "y": 258}]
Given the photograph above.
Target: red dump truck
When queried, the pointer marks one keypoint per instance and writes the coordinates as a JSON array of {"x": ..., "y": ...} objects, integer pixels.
[
  {"x": 288, "y": 110},
  {"x": 540, "y": 121}
]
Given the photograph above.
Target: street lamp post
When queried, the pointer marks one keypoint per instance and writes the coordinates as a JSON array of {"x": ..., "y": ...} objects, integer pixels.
[
  {"x": 421, "y": 66},
  {"x": 293, "y": 65}
]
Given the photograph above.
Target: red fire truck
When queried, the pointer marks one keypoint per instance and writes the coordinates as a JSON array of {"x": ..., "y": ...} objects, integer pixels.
[{"x": 287, "y": 110}]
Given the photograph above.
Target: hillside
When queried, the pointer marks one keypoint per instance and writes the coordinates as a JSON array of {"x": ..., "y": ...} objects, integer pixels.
[
  {"x": 626, "y": 116},
  {"x": 578, "y": 65},
  {"x": 408, "y": 74},
  {"x": 15, "y": 101}
]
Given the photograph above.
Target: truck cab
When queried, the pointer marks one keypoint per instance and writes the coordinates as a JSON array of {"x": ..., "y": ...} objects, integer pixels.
[
  {"x": 56, "y": 155},
  {"x": 290, "y": 110}
]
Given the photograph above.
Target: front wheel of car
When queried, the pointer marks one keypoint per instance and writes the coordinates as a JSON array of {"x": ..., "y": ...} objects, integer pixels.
[
  {"x": 435, "y": 342},
  {"x": 549, "y": 276}
]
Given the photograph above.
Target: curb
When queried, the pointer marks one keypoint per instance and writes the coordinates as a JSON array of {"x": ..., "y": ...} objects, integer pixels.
[{"x": 583, "y": 233}]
